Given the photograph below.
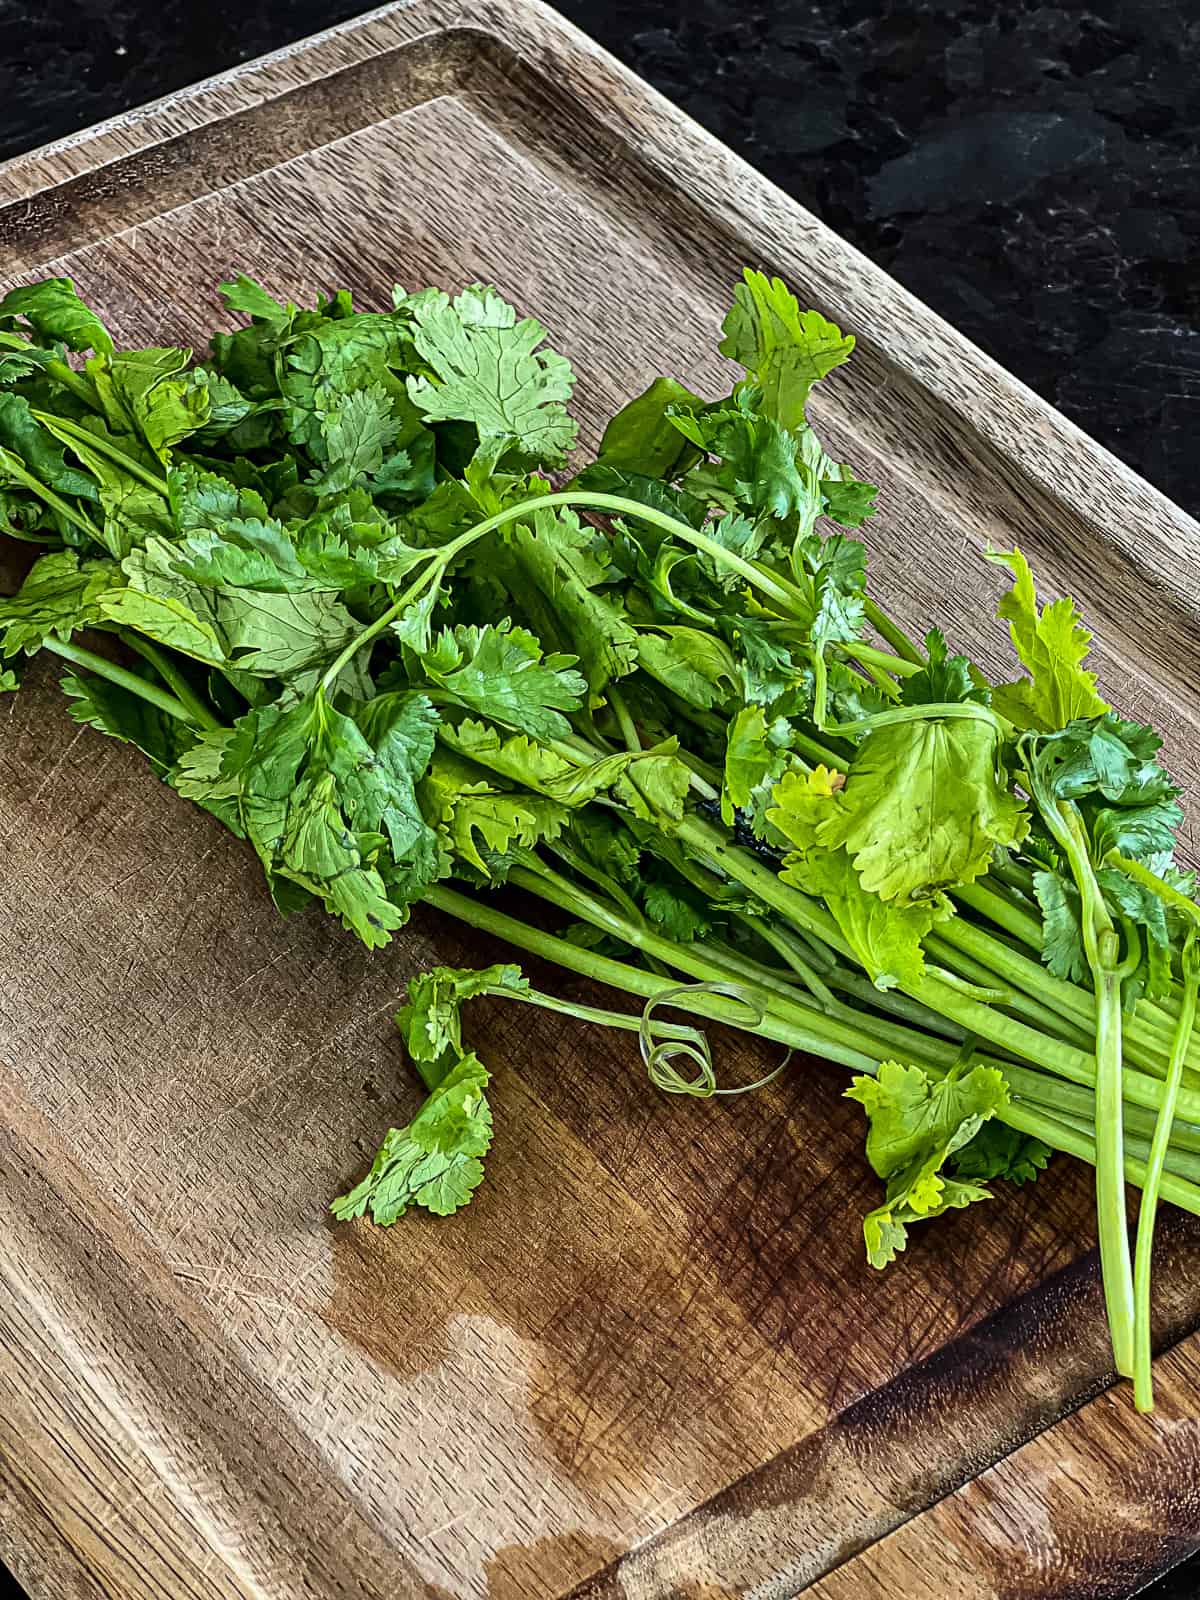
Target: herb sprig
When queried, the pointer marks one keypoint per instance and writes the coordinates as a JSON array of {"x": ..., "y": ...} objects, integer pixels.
[{"x": 358, "y": 607}]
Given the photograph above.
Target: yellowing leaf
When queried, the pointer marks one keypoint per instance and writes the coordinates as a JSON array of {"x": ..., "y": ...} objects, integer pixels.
[{"x": 925, "y": 805}]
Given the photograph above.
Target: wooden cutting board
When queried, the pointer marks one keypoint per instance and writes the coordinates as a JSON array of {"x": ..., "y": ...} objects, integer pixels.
[{"x": 649, "y": 1361}]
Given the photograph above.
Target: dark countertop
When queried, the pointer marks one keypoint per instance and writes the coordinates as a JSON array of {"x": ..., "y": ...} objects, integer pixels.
[{"x": 1028, "y": 170}]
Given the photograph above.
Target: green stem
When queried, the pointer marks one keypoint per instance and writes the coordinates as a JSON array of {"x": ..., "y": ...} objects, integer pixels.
[
  {"x": 820, "y": 708},
  {"x": 1073, "y": 1141},
  {"x": 104, "y": 447},
  {"x": 413, "y": 592},
  {"x": 77, "y": 382},
  {"x": 1115, "y": 1262},
  {"x": 900, "y": 666},
  {"x": 1000, "y": 910},
  {"x": 15, "y": 469},
  {"x": 613, "y": 505},
  {"x": 812, "y": 750},
  {"x": 620, "y": 975},
  {"x": 625, "y": 722},
  {"x": 1143, "y": 1385},
  {"x": 173, "y": 678},
  {"x": 1103, "y": 953},
  {"x": 937, "y": 711},
  {"x": 892, "y": 632},
  {"x": 124, "y": 679}
]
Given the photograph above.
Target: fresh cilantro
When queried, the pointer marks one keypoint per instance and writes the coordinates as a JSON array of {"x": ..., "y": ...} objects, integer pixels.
[
  {"x": 325, "y": 582},
  {"x": 924, "y": 806},
  {"x": 1053, "y": 645},
  {"x": 916, "y": 1126},
  {"x": 785, "y": 350},
  {"x": 486, "y": 368}
]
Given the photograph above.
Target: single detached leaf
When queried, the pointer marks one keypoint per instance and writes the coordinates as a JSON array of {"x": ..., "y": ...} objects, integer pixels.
[{"x": 435, "y": 1161}]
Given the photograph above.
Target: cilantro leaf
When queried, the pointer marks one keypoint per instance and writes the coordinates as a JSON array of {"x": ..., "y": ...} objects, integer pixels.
[
  {"x": 319, "y": 803},
  {"x": 482, "y": 823},
  {"x": 944, "y": 679},
  {"x": 525, "y": 761},
  {"x": 695, "y": 665},
  {"x": 1052, "y": 645},
  {"x": 642, "y": 439},
  {"x": 486, "y": 368},
  {"x": 498, "y": 671},
  {"x": 435, "y": 1161},
  {"x": 430, "y": 1020},
  {"x": 924, "y": 806},
  {"x": 755, "y": 752},
  {"x": 784, "y": 349},
  {"x": 998, "y": 1151},
  {"x": 916, "y": 1125},
  {"x": 60, "y": 596},
  {"x": 152, "y": 393},
  {"x": 252, "y": 300},
  {"x": 38, "y": 451},
  {"x": 848, "y": 500},
  {"x": 1062, "y": 930},
  {"x": 830, "y": 574},
  {"x": 885, "y": 936},
  {"x": 564, "y": 566},
  {"x": 1109, "y": 768},
  {"x": 56, "y": 315},
  {"x": 123, "y": 715}
]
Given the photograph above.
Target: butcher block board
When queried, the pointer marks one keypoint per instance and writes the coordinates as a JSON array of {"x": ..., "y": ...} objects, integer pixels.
[{"x": 649, "y": 1360}]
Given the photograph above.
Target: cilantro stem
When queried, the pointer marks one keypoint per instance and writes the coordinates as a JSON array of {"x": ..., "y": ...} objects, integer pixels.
[
  {"x": 926, "y": 713},
  {"x": 16, "y": 469},
  {"x": 1073, "y": 1141},
  {"x": 104, "y": 447},
  {"x": 124, "y": 679},
  {"x": 900, "y": 666},
  {"x": 613, "y": 504},
  {"x": 996, "y": 908},
  {"x": 621, "y": 975},
  {"x": 173, "y": 678},
  {"x": 1143, "y": 1383},
  {"x": 892, "y": 632},
  {"x": 813, "y": 750},
  {"x": 1145, "y": 1044},
  {"x": 1103, "y": 954},
  {"x": 374, "y": 629},
  {"x": 79, "y": 385},
  {"x": 625, "y": 722}
]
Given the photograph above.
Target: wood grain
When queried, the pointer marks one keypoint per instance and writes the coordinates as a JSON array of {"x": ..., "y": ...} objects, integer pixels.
[{"x": 648, "y": 1361}]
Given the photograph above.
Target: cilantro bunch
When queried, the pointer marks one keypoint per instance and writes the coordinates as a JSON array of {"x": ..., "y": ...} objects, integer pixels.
[{"x": 340, "y": 585}]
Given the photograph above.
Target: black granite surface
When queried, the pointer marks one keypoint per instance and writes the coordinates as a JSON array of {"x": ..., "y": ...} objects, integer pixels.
[{"x": 1028, "y": 170}]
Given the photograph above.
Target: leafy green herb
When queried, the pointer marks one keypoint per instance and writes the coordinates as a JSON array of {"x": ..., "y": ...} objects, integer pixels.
[{"x": 324, "y": 581}]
